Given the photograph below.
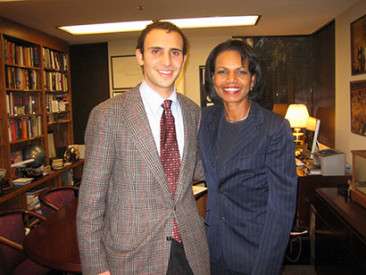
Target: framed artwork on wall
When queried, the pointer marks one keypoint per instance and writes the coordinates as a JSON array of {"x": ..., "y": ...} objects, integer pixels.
[
  {"x": 115, "y": 93},
  {"x": 358, "y": 46},
  {"x": 358, "y": 107},
  {"x": 126, "y": 72}
]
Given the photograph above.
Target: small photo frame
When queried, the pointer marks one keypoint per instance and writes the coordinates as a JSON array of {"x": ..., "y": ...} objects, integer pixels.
[{"x": 358, "y": 46}]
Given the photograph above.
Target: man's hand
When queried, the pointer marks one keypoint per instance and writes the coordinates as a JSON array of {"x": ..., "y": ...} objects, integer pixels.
[{"x": 105, "y": 273}]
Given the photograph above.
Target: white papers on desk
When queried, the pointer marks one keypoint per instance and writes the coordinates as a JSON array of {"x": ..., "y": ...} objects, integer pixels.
[{"x": 198, "y": 189}]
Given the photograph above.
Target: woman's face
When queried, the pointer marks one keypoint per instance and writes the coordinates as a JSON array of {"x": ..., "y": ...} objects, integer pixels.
[{"x": 232, "y": 79}]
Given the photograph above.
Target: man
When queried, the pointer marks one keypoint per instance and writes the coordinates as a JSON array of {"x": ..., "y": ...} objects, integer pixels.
[{"x": 130, "y": 219}]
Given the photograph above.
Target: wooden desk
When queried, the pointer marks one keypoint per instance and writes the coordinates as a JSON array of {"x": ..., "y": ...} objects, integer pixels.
[
  {"x": 337, "y": 234},
  {"x": 306, "y": 192},
  {"x": 54, "y": 242}
]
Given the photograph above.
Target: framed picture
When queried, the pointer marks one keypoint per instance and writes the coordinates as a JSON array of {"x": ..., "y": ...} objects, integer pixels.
[
  {"x": 358, "y": 107},
  {"x": 358, "y": 45},
  {"x": 126, "y": 72},
  {"x": 205, "y": 99},
  {"x": 115, "y": 93}
]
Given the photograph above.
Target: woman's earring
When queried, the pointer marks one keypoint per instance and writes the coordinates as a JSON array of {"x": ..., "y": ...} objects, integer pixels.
[{"x": 251, "y": 89}]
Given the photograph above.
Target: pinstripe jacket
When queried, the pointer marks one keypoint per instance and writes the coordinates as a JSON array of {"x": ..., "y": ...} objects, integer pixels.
[
  {"x": 125, "y": 211},
  {"x": 252, "y": 196}
]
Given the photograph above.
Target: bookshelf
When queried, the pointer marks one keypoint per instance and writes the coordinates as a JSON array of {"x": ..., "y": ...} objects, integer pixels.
[{"x": 35, "y": 100}]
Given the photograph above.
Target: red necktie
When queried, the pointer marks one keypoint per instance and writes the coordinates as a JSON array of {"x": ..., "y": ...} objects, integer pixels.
[{"x": 169, "y": 155}]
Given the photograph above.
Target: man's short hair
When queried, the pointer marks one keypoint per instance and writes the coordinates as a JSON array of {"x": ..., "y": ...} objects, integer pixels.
[{"x": 163, "y": 25}]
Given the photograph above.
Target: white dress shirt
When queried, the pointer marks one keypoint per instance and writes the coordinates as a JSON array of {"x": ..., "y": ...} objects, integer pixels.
[{"x": 152, "y": 102}]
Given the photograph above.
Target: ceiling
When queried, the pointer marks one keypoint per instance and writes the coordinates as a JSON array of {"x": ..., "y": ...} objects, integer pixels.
[{"x": 281, "y": 17}]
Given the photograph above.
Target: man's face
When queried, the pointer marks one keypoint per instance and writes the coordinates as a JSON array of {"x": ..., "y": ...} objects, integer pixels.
[{"x": 163, "y": 60}]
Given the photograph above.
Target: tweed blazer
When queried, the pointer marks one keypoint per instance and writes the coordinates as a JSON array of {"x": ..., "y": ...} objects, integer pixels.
[
  {"x": 126, "y": 211},
  {"x": 252, "y": 195}
]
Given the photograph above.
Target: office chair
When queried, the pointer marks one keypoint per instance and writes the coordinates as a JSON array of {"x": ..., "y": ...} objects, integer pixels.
[
  {"x": 54, "y": 198},
  {"x": 12, "y": 235}
]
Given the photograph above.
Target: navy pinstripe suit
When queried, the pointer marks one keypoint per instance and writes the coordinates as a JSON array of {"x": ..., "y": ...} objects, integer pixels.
[{"x": 252, "y": 196}]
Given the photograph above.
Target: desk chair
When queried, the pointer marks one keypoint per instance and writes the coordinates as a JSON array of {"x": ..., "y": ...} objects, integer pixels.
[
  {"x": 298, "y": 235},
  {"x": 54, "y": 198},
  {"x": 12, "y": 234}
]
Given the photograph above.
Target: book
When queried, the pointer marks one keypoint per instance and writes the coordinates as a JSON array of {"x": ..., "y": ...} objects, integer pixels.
[{"x": 22, "y": 181}]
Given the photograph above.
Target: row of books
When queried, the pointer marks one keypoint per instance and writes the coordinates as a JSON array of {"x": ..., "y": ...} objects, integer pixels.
[
  {"x": 25, "y": 127},
  {"x": 55, "y": 81},
  {"x": 33, "y": 202},
  {"x": 21, "y": 55},
  {"x": 24, "y": 79},
  {"x": 55, "y": 60},
  {"x": 56, "y": 103},
  {"x": 22, "y": 103}
]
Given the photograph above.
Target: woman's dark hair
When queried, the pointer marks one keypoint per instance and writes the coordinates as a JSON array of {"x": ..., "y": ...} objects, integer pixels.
[
  {"x": 163, "y": 25},
  {"x": 247, "y": 53}
]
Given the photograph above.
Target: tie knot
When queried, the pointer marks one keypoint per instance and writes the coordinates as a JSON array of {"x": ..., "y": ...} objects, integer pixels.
[{"x": 166, "y": 104}]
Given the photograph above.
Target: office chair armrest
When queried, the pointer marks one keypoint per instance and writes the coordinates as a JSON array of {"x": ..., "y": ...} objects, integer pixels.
[
  {"x": 11, "y": 244},
  {"x": 35, "y": 215}
]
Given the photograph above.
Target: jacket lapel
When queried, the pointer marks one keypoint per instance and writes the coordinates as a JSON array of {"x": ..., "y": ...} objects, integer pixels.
[
  {"x": 212, "y": 129},
  {"x": 138, "y": 126},
  {"x": 190, "y": 142}
]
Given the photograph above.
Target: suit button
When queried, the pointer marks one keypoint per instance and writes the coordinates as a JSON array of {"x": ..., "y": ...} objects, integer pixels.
[
  {"x": 221, "y": 191},
  {"x": 222, "y": 219},
  {"x": 169, "y": 239}
]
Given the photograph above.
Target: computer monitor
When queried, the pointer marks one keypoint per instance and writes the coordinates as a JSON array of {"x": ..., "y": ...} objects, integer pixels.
[{"x": 311, "y": 136}]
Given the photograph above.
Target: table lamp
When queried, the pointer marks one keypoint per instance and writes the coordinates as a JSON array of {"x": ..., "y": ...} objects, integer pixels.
[{"x": 297, "y": 115}]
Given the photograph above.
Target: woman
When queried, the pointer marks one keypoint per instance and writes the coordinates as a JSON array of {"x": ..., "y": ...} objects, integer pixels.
[{"x": 249, "y": 161}]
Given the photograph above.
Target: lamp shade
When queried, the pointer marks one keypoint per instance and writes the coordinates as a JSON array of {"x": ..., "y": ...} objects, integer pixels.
[{"x": 297, "y": 115}]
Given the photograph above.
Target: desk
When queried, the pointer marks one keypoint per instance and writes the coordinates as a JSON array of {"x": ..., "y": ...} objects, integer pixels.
[
  {"x": 306, "y": 187},
  {"x": 54, "y": 242},
  {"x": 337, "y": 234}
]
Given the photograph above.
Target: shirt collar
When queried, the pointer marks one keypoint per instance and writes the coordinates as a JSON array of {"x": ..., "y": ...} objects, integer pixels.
[{"x": 153, "y": 98}]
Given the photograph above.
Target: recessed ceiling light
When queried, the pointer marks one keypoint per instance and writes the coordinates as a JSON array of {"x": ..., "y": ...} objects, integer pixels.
[{"x": 185, "y": 23}]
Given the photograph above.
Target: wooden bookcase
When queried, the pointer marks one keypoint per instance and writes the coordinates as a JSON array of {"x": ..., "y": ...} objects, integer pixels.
[{"x": 35, "y": 96}]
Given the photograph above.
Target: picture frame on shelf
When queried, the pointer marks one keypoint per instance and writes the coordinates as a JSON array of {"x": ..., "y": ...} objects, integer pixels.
[
  {"x": 358, "y": 107},
  {"x": 358, "y": 46},
  {"x": 126, "y": 72}
]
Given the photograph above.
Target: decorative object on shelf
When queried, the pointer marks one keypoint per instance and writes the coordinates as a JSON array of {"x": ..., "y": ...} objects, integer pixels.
[
  {"x": 72, "y": 153},
  {"x": 297, "y": 115},
  {"x": 2, "y": 175},
  {"x": 35, "y": 152}
]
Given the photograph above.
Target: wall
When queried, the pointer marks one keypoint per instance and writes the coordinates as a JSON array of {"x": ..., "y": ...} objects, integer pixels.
[
  {"x": 188, "y": 83},
  {"x": 201, "y": 46},
  {"x": 345, "y": 140}
]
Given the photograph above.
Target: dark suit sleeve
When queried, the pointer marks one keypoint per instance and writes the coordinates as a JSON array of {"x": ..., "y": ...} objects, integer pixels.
[{"x": 282, "y": 184}]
